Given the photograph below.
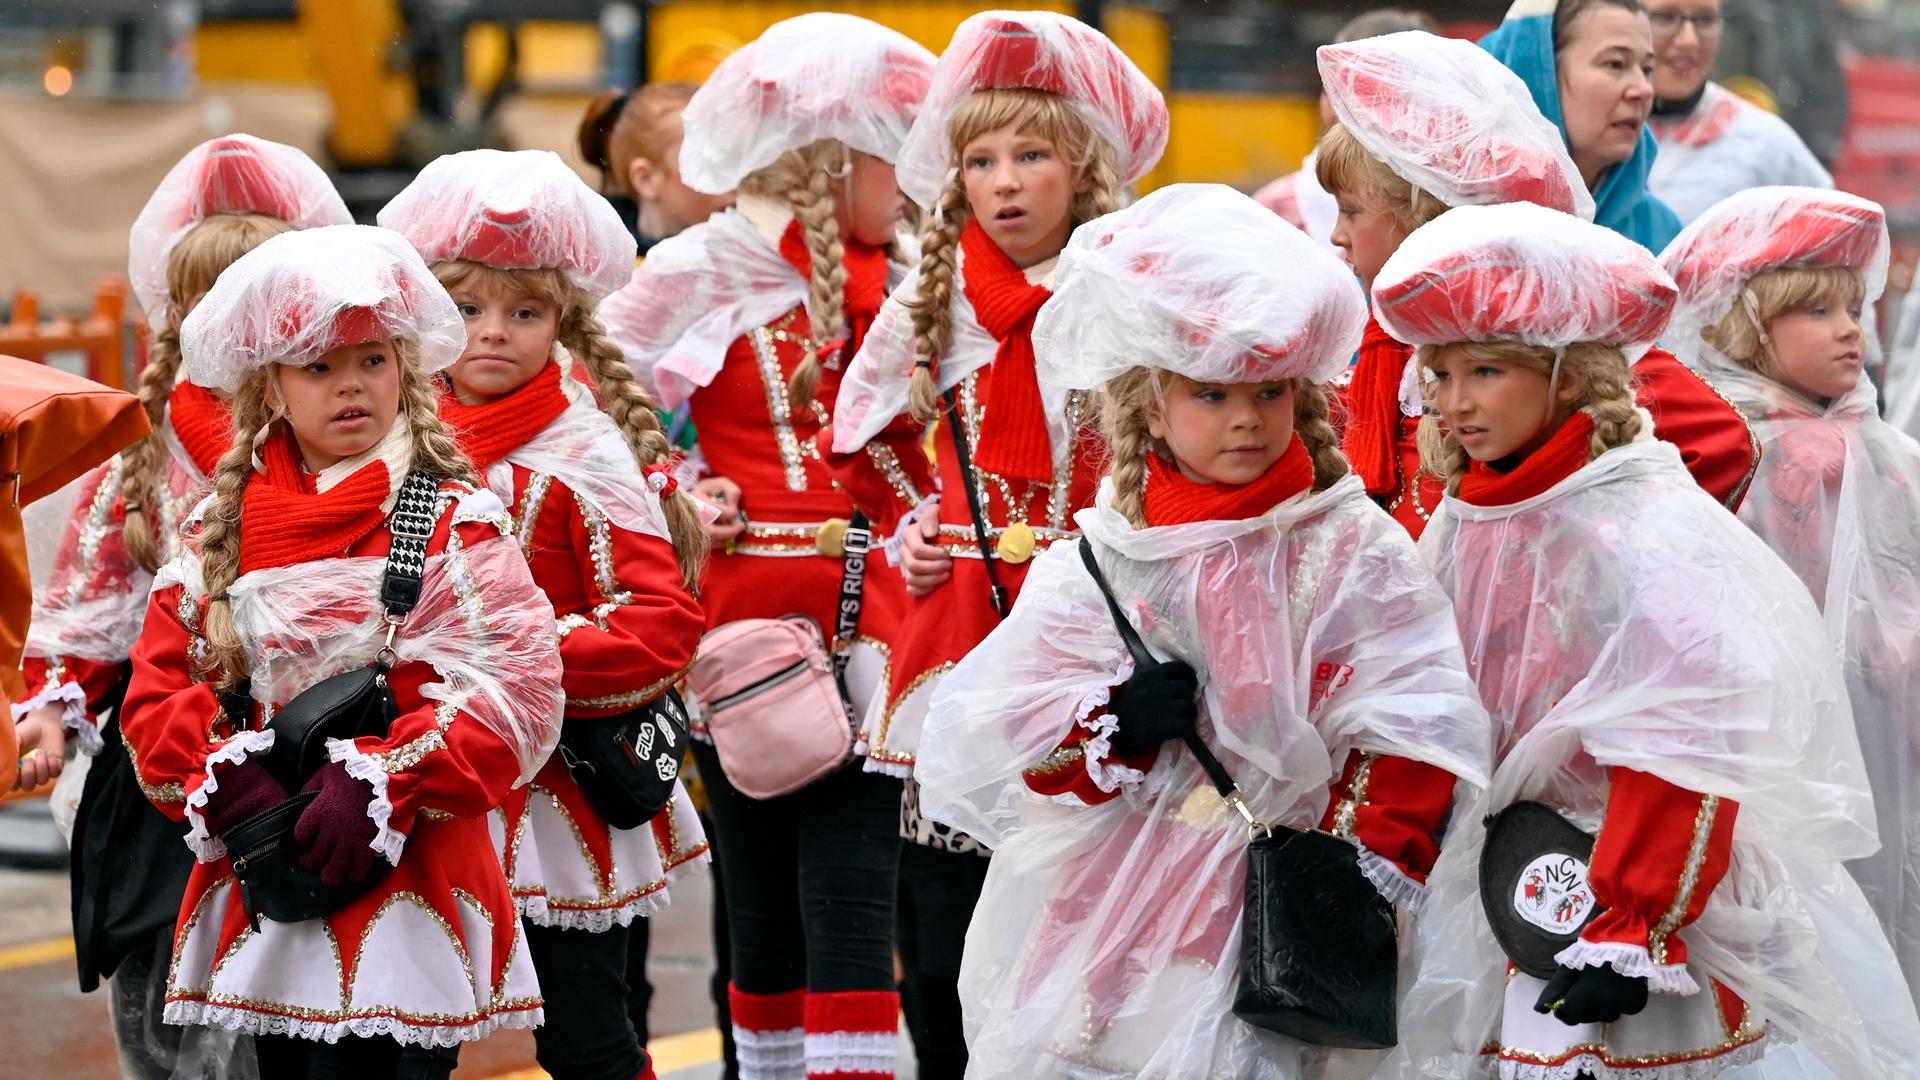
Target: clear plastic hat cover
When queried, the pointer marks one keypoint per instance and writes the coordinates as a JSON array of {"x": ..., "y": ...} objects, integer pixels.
[
  {"x": 301, "y": 293},
  {"x": 1037, "y": 50},
  {"x": 517, "y": 210},
  {"x": 230, "y": 175},
  {"x": 1767, "y": 228},
  {"x": 1520, "y": 272},
  {"x": 1448, "y": 118},
  {"x": 1199, "y": 280},
  {"x": 817, "y": 76}
]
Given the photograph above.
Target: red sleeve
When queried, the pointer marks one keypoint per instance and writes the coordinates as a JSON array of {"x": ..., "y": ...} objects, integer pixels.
[
  {"x": 171, "y": 722},
  {"x": 1393, "y": 806},
  {"x": 628, "y": 626},
  {"x": 1716, "y": 444},
  {"x": 887, "y": 477},
  {"x": 1662, "y": 849},
  {"x": 1064, "y": 771},
  {"x": 45, "y": 675}
]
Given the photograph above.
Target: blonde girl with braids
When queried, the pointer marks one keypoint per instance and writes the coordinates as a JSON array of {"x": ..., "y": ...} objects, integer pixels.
[
  {"x": 1654, "y": 675},
  {"x": 749, "y": 319},
  {"x": 1295, "y": 618},
  {"x": 224, "y": 198},
  {"x": 525, "y": 249},
  {"x": 327, "y": 341}
]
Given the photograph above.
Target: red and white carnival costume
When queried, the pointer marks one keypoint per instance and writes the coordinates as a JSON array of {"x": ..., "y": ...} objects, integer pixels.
[
  {"x": 1837, "y": 496},
  {"x": 1652, "y": 673},
  {"x": 1107, "y": 940},
  {"x": 1033, "y": 467},
  {"x": 1451, "y": 120}
]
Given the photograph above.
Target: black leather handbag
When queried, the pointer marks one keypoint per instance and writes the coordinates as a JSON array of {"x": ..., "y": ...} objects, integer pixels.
[
  {"x": 626, "y": 765},
  {"x": 1319, "y": 951},
  {"x": 351, "y": 705}
]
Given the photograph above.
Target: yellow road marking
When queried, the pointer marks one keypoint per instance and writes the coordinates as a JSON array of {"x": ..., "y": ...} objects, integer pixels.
[
  {"x": 38, "y": 952},
  {"x": 670, "y": 1054}
]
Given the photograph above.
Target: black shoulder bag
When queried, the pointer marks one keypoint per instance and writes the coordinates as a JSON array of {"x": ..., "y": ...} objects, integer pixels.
[
  {"x": 1319, "y": 954},
  {"x": 964, "y": 454},
  {"x": 351, "y": 705}
]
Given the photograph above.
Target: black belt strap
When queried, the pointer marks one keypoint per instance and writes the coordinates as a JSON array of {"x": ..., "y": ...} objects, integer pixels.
[{"x": 996, "y": 591}]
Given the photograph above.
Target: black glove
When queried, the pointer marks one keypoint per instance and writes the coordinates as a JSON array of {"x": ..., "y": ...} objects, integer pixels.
[
  {"x": 1592, "y": 995},
  {"x": 1155, "y": 705}
]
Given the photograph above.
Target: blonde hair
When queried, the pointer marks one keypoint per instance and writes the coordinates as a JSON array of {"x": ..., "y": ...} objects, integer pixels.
[
  {"x": 632, "y": 410},
  {"x": 1129, "y": 402},
  {"x": 1775, "y": 293},
  {"x": 434, "y": 450},
  {"x": 195, "y": 262},
  {"x": 1606, "y": 390},
  {"x": 1345, "y": 167},
  {"x": 1039, "y": 113}
]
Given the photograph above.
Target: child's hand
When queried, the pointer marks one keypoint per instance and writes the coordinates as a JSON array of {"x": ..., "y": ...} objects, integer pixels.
[
  {"x": 724, "y": 494},
  {"x": 1154, "y": 705},
  {"x": 927, "y": 565},
  {"x": 43, "y": 747}
]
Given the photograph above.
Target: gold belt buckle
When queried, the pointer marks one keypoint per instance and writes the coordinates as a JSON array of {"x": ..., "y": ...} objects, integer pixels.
[
  {"x": 831, "y": 540},
  {"x": 1016, "y": 543}
]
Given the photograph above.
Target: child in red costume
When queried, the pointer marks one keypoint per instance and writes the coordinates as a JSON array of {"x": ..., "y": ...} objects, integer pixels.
[
  {"x": 1328, "y": 677},
  {"x": 1427, "y": 124},
  {"x": 1654, "y": 674},
  {"x": 749, "y": 318},
  {"x": 526, "y": 250},
  {"x": 128, "y": 869},
  {"x": 326, "y": 340}
]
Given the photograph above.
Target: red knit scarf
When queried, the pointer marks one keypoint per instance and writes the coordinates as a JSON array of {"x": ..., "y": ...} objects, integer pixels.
[
  {"x": 1373, "y": 407},
  {"x": 284, "y": 521},
  {"x": 1561, "y": 457},
  {"x": 497, "y": 428},
  {"x": 1013, "y": 437},
  {"x": 203, "y": 422},
  {"x": 866, "y": 289},
  {"x": 1172, "y": 499}
]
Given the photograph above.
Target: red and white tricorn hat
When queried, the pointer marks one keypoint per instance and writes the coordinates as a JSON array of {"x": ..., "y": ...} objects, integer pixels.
[
  {"x": 300, "y": 294},
  {"x": 233, "y": 174},
  {"x": 514, "y": 210},
  {"x": 1521, "y": 272},
  {"x": 1036, "y": 50}
]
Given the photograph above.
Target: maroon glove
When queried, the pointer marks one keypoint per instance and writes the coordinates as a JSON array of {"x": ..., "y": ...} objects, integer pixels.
[
  {"x": 335, "y": 829},
  {"x": 246, "y": 789}
]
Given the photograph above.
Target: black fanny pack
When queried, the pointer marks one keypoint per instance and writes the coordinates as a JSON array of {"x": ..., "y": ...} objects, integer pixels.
[
  {"x": 626, "y": 765},
  {"x": 1533, "y": 884},
  {"x": 354, "y": 704}
]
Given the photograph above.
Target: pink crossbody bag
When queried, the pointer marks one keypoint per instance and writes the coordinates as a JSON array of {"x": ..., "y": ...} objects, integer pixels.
[{"x": 774, "y": 695}]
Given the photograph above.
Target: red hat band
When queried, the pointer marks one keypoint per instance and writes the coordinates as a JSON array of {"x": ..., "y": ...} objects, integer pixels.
[
  {"x": 1010, "y": 59},
  {"x": 502, "y": 238},
  {"x": 1817, "y": 234},
  {"x": 235, "y": 179},
  {"x": 1479, "y": 296}
]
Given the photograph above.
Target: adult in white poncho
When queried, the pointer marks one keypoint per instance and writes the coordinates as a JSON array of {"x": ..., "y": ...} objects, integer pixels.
[
  {"x": 1772, "y": 282},
  {"x": 1653, "y": 671},
  {"x": 1330, "y": 679}
]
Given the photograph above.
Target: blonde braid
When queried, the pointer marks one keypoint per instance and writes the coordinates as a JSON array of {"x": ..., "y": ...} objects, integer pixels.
[
  {"x": 813, "y": 207},
  {"x": 1104, "y": 187},
  {"x": 143, "y": 465},
  {"x": 932, "y": 306},
  {"x": 225, "y": 661},
  {"x": 1125, "y": 405},
  {"x": 434, "y": 449},
  {"x": 1312, "y": 421},
  {"x": 635, "y": 414}
]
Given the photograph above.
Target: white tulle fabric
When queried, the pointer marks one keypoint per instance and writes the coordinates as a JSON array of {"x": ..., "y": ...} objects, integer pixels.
[
  {"x": 1199, "y": 280},
  {"x": 517, "y": 210},
  {"x": 483, "y": 626},
  {"x": 583, "y": 449},
  {"x": 1521, "y": 272},
  {"x": 1902, "y": 376},
  {"x": 1108, "y": 936},
  {"x": 235, "y": 173},
  {"x": 1623, "y": 619},
  {"x": 822, "y": 75},
  {"x": 283, "y": 302},
  {"x": 1039, "y": 50},
  {"x": 1449, "y": 119}
]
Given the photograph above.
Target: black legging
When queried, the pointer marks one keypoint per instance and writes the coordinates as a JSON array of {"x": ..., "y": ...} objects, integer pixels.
[
  {"x": 583, "y": 977},
  {"x": 810, "y": 880},
  {"x": 938, "y": 891},
  {"x": 282, "y": 1057}
]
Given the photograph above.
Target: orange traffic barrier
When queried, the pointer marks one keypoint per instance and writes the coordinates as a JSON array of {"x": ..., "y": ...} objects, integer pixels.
[{"x": 101, "y": 335}]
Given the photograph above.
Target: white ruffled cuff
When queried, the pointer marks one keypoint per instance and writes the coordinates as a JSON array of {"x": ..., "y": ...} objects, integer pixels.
[
  {"x": 72, "y": 699},
  {"x": 205, "y": 846},
  {"x": 897, "y": 542},
  {"x": 1106, "y": 775},
  {"x": 388, "y": 842},
  {"x": 1399, "y": 890},
  {"x": 1630, "y": 960}
]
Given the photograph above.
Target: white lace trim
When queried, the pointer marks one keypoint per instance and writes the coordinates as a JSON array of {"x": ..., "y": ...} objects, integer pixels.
[
  {"x": 900, "y": 770},
  {"x": 1629, "y": 960},
  {"x": 1400, "y": 890},
  {"x": 205, "y": 846},
  {"x": 771, "y": 1055},
  {"x": 74, "y": 717},
  {"x": 851, "y": 1052},
  {"x": 535, "y": 909},
  {"x": 1591, "y": 1065},
  {"x": 1106, "y": 775},
  {"x": 896, "y": 544},
  {"x": 236, "y": 1018},
  {"x": 386, "y": 840}
]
